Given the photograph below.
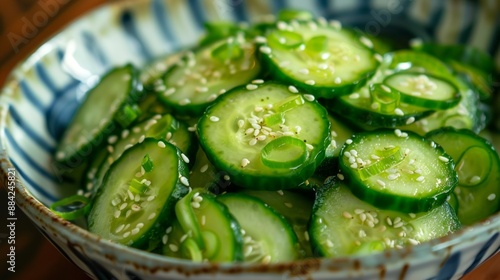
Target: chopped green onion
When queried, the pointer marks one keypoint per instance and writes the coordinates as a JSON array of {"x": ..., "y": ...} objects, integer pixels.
[
  {"x": 386, "y": 98},
  {"x": 191, "y": 251},
  {"x": 71, "y": 208},
  {"x": 291, "y": 14},
  {"x": 274, "y": 119},
  {"x": 392, "y": 157},
  {"x": 147, "y": 163},
  {"x": 284, "y": 152},
  {"x": 473, "y": 167},
  {"x": 289, "y": 103},
  {"x": 285, "y": 39},
  {"x": 137, "y": 187},
  {"x": 187, "y": 219},
  {"x": 228, "y": 51},
  {"x": 316, "y": 46},
  {"x": 127, "y": 114}
]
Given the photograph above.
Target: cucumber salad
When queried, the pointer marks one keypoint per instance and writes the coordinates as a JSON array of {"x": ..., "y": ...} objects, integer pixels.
[{"x": 276, "y": 141}]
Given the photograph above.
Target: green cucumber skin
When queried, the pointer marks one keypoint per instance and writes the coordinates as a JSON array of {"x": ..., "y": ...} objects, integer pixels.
[
  {"x": 290, "y": 180},
  {"x": 152, "y": 238},
  {"x": 493, "y": 180},
  {"x": 321, "y": 92},
  {"x": 88, "y": 149},
  {"x": 383, "y": 200}
]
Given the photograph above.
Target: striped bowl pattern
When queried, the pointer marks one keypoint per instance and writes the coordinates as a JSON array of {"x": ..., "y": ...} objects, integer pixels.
[{"x": 44, "y": 91}]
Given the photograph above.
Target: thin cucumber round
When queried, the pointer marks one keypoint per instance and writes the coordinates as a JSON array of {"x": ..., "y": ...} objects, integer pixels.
[
  {"x": 235, "y": 131},
  {"x": 327, "y": 61},
  {"x": 342, "y": 224},
  {"x": 203, "y": 75},
  {"x": 133, "y": 207},
  {"x": 268, "y": 237},
  {"x": 478, "y": 167},
  {"x": 103, "y": 112},
  {"x": 398, "y": 170}
]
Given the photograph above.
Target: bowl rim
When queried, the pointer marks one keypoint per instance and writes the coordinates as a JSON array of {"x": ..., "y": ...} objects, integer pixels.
[{"x": 30, "y": 205}]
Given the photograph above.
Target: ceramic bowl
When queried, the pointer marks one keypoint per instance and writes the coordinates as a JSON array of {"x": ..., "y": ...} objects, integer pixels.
[{"x": 41, "y": 95}]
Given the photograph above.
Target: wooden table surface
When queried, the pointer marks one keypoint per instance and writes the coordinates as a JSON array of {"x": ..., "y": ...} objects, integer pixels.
[{"x": 36, "y": 257}]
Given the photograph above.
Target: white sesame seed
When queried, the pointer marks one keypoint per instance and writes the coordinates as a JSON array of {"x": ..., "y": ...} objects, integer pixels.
[
  {"x": 367, "y": 42},
  {"x": 204, "y": 168},
  {"x": 119, "y": 228},
  {"x": 337, "y": 80},
  {"x": 141, "y": 139},
  {"x": 227, "y": 178},
  {"x": 354, "y": 165},
  {"x": 252, "y": 142},
  {"x": 361, "y": 233},
  {"x": 304, "y": 71},
  {"x": 260, "y": 39},
  {"x": 195, "y": 204},
  {"x": 354, "y": 96},
  {"x": 340, "y": 176},
  {"x": 293, "y": 89},
  {"x": 251, "y": 87},
  {"x": 214, "y": 119},
  {"x": 413, "y": 241},
  {"x": 474, "y": 179},
  {"x": 492, "y": 197},
  {"x": 161, "y": 144},
  {"x": 444, "y": 159},
  {"x": 185, "y": 158},
  {"x": 310, "y": 82},
  {"x": 347, "y": 215},
  {"x": 379, "y": 58},
  {"x": 420, "y": 178},
  {"x": 399, "y": 112},
  {"x": 398, "y": 225},
  {"x": 410, "y": 120},
  {"x": 348, "y": 141},
  {"x": 381, "y": 183},
  {"x": 261, "y": 137},
  {"x": 258, "y": 81},
  {"x": 126, "y": 234},
  {"x": 164, "y": 239},
  {"x": 125, "y": 133},
  {"x": 308, "y": 97},
  {"x": 169, "y": 91},
  {"x": 265, "y": 49},
  {"x": 184, "y": 181},
  {"x": 135, "y": 231},
  {"x": 117, "y": 214},
  {"x": 173, "y": 247}
]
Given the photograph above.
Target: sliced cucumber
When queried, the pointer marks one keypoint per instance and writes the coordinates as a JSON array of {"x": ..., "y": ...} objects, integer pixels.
[
  {"x": 423, "y": 90},
  {"x": 268, "y": 237},
  {"x": 209, "y": 230},
  {"x": 159, "y": 127},
  {"x": 478, "y": 169},
  {"x": 342, "y": 224},
  {"x": 296, "y": 208},
  {"x": 207, "y": 73},
  {"x": 237, "y": 135},
  {"x": 132, "y": 208},
  {"x": 104, "y": 111},
  {"x": 326, "y": 61},
  {"x": 397, "y": 170}
]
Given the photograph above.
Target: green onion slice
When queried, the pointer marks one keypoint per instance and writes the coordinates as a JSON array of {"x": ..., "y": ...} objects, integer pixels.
[
  {"x": 71, "y": 208},
  {"x": 147, "y": 163},
  {"x": 316, "y": 46},
  {"x": 289, "y": 103},
  {"x": 229, "y": 51},
  {"x": 285, "y": 39},
  {"x": 390, "y": 158},
  {"x": 187, "y": 219},
  {"x": 127, "y": 114},
  {"x": 274, "y": 119},
  {"x": 473, "y": 167},
  {"x": 191, "y": 251},
  {"x": 386, "y": 98},
  {"x": 137, "y": 187},
  {"x": 284, "y": 152}
]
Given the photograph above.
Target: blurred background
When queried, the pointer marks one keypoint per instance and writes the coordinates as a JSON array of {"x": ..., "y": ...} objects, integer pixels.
[{"x": 24, "y": 25}]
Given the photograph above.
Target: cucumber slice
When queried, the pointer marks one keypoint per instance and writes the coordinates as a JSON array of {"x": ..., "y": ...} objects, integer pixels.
[
  {"x": 296, "y": 208},
  {"x": 159, "y": 127},
  {"x": 233, "y": 133},
  {"x": 132, "y": 208},
  {"x": 277, "y": 243},
  {"x": 209, "y": 230},
  {"x": 423, "y": 90},
  {"x": 207, "y": 73},
  {"x": 398, "y": 170},
  {"x": 342, "y": 224},
  {"x": 102, "y": 112},
  {"x": 478, "y": 169},
  {"x": 326, "y": 61}
]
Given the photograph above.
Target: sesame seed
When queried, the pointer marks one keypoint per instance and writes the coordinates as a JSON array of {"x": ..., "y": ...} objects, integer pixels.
[
  {"x": 125, "y": 133},
  {"x": 252, "y": 142},
  {"x": 214, "y": 119},
  {"x": 354, "y": 96},
  {"x": 141, "y": 139},
  {"x": 227, "y": 178},
  {"x": 420, "y": 178},
  {"x": 304, "y": 71},
  {"x": 398, "y": 225},
  {"x": 135, "y": 207},
  {"x": 474, "y": 179},
  {"x": 413, "y": 241},
  {"x": 347, "y": 215},
  {"x": 310, "y": 82},
  {"x": 152, "y": 216},
  {"x": 251, "y": 87},
  {"x": 492, "y": 197},
  {"x": 164, "y": 239},
  {"x": 444, "y": 159},
  {"x": 338, "y": 80},
  {"x": 265, "y": 49},
  {"x": 126, "y": 234},
  {"x": 119, "y": 228},
  {"x": 184, "y": 101},
  {"x": 117, "y": 214},
  {"x": 367, "y": 42},
  {"x": 354, "y": 165},
  {"x": 399, "y": 112},
  {"x": 293, "y": 89},
  {"x": 348, "y": 141},
  {"x": 340, "y": 176},
  {"x": 361, "y": 233},
  {"x": 412, "y": 215},
  {"x": 308, "y": 97},
  {"x": 410, "y": 120},
  {"x": 379, "y": 58},
  {"x": 280, "y": 192},
  {"x": 260, "y": 39},
  {"x": 173, "y": 247},
  {"x": 184, "y": 181},
  {"x": 309, "y": 146},
  {"x": 185, "y": 158},
  {"x": 169, "y": 91},
  {"x": 135, "y": 231},
  {"x": 195, "y": 204}
]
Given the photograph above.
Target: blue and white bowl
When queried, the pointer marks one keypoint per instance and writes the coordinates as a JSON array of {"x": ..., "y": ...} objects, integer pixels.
[{"x": 43, "y": 92}]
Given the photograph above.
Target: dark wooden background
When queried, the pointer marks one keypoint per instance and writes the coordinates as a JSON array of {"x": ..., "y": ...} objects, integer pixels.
[{"x": 36, "y": 258}]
